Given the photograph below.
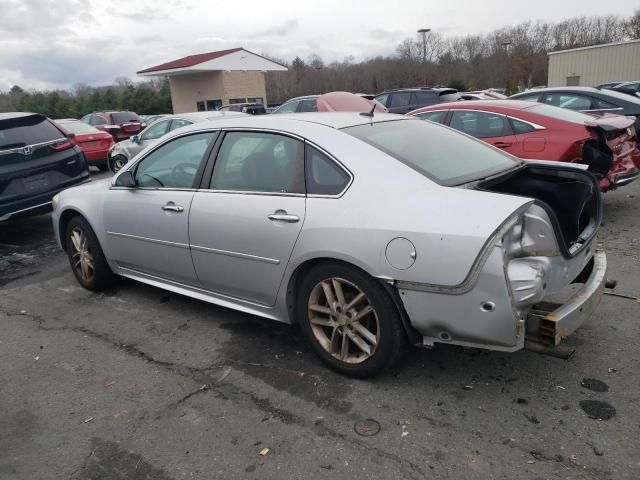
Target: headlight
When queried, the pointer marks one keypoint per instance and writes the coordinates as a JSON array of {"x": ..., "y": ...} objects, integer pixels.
[{"x": 54, "y": 201}]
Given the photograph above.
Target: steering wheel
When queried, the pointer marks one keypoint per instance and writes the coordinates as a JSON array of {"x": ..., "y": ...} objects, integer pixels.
[{"x": 182, "y": 176}]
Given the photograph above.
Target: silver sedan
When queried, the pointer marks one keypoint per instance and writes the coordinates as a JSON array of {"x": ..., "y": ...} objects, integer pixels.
[{"x": 370, "y": 232}]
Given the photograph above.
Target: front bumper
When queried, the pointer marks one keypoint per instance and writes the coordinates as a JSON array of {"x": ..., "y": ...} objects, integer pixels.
[{"x": 548, "y": 323}]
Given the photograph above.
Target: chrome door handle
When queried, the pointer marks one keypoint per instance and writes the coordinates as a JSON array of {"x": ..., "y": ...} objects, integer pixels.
[
  {"x": 284, "y": 217},
  {"x": 171, "y": 207}
]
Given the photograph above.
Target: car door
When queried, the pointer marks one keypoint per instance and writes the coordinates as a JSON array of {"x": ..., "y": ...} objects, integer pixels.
[
  {"x": 531, "y": 139},
  {"x": 245, "y": 222},
  {"x": 490, "y": 127},
  {"x": 148, "y": 225}
]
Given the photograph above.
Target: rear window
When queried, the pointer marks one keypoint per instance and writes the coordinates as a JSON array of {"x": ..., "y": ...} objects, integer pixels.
[
  {"x": 560, "y": 113},
  {"x": 438, "y": 152},
  {"x": 19, "y": 132},
  {"x": 123, "y": 117},
  {"x": 79, "y": 128}
]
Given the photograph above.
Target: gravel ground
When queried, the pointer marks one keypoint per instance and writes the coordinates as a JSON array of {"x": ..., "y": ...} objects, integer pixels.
[{"x": 138, "y": 383}]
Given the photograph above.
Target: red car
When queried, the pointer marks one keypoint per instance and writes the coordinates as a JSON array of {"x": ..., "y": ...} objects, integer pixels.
[
  {"x": 607, "y": 144},
  {"x": 121, "y": 125},
  {"x": 94, "y": 143}
]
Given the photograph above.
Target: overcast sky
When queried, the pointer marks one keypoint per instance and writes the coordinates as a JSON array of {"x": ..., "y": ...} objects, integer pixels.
[{"x": 58, "y": 43}]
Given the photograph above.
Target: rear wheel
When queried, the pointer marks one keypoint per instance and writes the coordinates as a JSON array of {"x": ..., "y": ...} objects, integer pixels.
[
  {"x": 118, "y": 162},
  {"x": 86, "y": 257},
  {"x": 350, "y": 320}
]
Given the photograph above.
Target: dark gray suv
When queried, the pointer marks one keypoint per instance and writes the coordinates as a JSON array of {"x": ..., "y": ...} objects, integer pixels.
[{"x": 404, "y": 100}]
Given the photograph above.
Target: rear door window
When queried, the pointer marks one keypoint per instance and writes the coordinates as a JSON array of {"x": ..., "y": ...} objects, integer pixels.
[
  {"x": 480, "y": 124},
  {"x": 29, "y": 130},
  {"x": 259, "y": 162},
  {"x": 308, "y": 106},
  {"x": 433, "y": 116},
  {"x": 425, "y": 98},
  {"x": 400, "y": 99},
  {"x": 570, "y": 101}
]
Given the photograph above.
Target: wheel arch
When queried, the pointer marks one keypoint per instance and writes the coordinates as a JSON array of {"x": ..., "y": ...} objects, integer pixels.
[{"x": 301, "y": 270}]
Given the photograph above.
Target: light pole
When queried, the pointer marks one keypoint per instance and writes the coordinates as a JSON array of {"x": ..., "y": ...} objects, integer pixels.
[
  {"x": 506, "y": 44},
  {"x": 424, "y": 32}
]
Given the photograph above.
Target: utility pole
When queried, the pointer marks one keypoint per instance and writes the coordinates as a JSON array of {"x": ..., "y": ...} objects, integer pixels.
[
  {"x": 506, "y": 44},
  {"x": 424, "y": 32}
]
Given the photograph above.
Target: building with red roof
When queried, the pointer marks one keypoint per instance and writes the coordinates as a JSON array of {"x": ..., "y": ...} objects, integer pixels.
[{"x": 208, "y": 81}]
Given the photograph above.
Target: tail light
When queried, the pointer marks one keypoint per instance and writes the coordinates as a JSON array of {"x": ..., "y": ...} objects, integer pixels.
[{"x": 62, "y": 145}]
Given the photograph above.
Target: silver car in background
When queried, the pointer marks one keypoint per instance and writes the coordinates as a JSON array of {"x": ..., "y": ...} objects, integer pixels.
[
  {"x": 121, "y": 152},
  {"x": 370, "y": 231}
]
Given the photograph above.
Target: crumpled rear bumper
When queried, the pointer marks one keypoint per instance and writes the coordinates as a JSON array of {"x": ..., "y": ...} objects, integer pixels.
[{"x": 548, "y": 323}]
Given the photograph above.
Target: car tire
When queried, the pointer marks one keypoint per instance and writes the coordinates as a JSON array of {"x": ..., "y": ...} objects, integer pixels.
[
  {"x": 117, "y": 162},
  {"x": 371, "y": 326},
  {"x": 86, "y": 257}
]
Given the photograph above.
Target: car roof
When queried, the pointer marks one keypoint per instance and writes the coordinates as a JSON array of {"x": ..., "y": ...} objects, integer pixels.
[
  {"x": 336, "y": 120},
  {"x": 14, "y": 115},
  {"x": 419, "y": 89},
  {"x": 303, "y": 97},
  {"x": 479, "y": 104},
  {"x": 560, "y": 89}
]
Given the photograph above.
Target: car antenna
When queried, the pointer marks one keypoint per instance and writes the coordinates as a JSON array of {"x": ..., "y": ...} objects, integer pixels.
[{"x": 369, "y": 114}]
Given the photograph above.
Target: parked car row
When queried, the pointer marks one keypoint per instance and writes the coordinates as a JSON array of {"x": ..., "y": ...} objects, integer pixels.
[{"x": 607, "y": 145}]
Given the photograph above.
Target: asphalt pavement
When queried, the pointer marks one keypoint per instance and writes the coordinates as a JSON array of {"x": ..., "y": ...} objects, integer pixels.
[{"x": 139, "y": 383}]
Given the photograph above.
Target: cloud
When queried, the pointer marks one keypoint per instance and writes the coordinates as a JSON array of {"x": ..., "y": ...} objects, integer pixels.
[{"x": 282, "y": 30}]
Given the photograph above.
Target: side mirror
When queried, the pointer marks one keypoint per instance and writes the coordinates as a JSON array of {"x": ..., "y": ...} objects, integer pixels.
[
  {"x": 135, "y": 138},
  {"x": 125, "y": 179}
]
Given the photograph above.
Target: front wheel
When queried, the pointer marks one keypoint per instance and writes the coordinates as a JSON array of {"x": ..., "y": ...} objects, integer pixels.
[
  {"x": 118, "y": 162},
  {"x": 86, "y": 257},
  {"x": 350, "y": 320}
]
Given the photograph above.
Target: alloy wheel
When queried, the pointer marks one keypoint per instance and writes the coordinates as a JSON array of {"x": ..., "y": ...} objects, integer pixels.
[
  {"x": 82, "y": 259},
  {"x": 343, "y": 320},
  {"x": 118, "y": 163}
]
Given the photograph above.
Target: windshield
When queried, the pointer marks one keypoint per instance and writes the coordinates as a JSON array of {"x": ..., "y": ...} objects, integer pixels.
[
  {"x": 440, "y": 153},
  {"x": 79, "y": 128},
  {"x": 560, "y": 113}
]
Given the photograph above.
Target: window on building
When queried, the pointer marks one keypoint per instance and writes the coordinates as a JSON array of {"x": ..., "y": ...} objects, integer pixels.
[
  {"x": 255, "y": 100},
  {"x": 214, "y": 104},
  {"x": 237, "y": 100},
  {"x": 573, "y": 81},
  {"x": 200, "y": 106}
]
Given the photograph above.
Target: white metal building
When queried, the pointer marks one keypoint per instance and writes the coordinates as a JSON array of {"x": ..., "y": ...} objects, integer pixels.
[{"x": 587, "y": 66}]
